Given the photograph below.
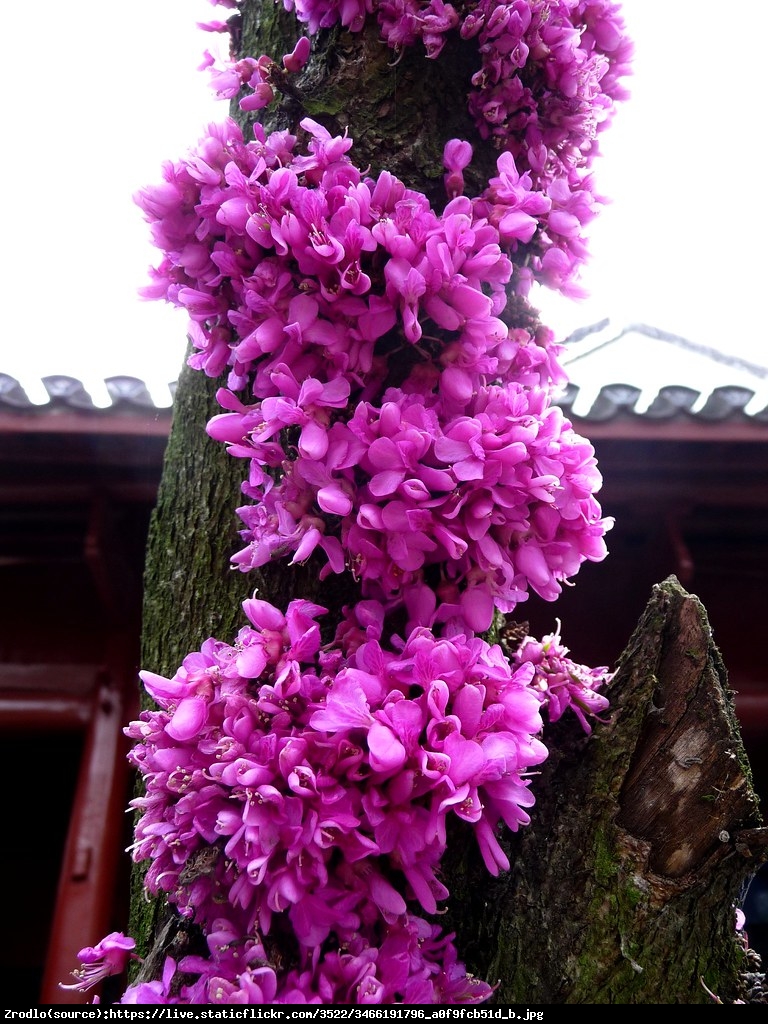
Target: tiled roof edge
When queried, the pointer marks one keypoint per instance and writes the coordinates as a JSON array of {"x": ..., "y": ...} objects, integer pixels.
[
  {"x": 130, "y": 395},
  {"x": 127, "y": 394},
  {"x": 671, "y": 403}
]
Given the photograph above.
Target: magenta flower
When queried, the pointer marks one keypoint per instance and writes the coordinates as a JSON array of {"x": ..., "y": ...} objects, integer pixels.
[
  {"x": 457, "y": 155},
  {"x": 153, "y": 992},
  {"x": 299, "y": 55},
  {"x": 108, "y": 957},
  {"x": 186, "y": 696},
  {"x": 515, "y": 206},
  {"x": 561, "y": 683},
  {"x": 577, "y": 56}
]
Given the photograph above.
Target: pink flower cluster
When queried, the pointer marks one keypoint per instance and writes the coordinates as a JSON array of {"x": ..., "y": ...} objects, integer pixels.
[
  {"x": 564, "y": 684},
  {"x": 398, "y": 424},
  {"x": 275, "y": 251},
  {"x": 551, "y": 72},
  {"x": 362, "y": 753},
  {"x": 414, "y": 958},
  {"x": 258, "y": 77},
  {"x": 311, "y": 283},
  {"x": 299, "y": 793},
  {"x": 498, "y": 497},
  {"x": 296, "y": 797},
  {"x": 306, "y": 789}
]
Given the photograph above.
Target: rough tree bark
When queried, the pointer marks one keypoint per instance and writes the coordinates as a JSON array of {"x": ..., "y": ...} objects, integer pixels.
[{"x": 622, "y": 890}]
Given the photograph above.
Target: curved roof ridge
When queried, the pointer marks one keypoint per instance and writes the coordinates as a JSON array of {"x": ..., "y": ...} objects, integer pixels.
[{"x": 708, "y": 351}]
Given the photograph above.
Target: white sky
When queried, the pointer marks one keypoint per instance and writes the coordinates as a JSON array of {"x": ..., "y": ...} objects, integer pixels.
[
  {"x": 94, "y": 101},
  {"x": 682, "y": 245},
  {"x": 98, "y": 96}
]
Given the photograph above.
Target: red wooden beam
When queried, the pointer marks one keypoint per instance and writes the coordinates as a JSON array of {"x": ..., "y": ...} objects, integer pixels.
[
  {"x": 86, "y": 892},
  {"x": 43, "y": 712},
  {"x": 154, "y": 423}
]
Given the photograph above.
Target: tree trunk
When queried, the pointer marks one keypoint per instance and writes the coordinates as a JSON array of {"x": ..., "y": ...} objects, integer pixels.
[{"x": 622, "y": 889}]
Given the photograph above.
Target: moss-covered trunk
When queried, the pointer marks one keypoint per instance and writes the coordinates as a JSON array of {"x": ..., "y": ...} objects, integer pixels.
[{"x": 622, "y": 889}]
